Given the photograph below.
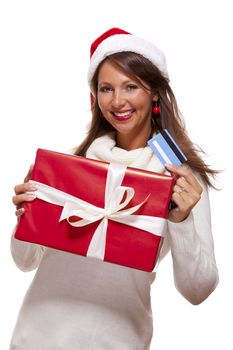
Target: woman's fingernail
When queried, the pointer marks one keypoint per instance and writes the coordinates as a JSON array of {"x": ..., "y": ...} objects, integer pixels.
[
  {"x": 168, "y": 166},
  {"x": 31, "y": 196},
  {"x": 33, "y": 187}
]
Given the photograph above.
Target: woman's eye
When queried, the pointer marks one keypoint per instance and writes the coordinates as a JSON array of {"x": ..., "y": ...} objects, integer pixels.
[
  {"x": 131, "y": 87},
  {"x": 105, "y": 89}
]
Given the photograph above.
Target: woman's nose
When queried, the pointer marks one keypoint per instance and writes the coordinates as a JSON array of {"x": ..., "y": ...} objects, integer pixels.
[{"x": 118, "y": 99}]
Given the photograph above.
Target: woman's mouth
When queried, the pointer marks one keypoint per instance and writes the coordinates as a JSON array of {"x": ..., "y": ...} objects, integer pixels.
[{"x": 124, "y": 115}]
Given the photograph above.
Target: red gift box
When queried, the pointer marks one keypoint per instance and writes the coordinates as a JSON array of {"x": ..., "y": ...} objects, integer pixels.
[{"x": 122, "y": 211}]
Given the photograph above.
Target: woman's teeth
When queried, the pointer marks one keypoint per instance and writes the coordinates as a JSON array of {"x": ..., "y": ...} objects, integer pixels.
[{"x": 123, "y": 114}]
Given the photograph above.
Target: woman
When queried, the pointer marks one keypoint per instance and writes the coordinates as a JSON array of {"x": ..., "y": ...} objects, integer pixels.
[{"x": 75, "y": 302}]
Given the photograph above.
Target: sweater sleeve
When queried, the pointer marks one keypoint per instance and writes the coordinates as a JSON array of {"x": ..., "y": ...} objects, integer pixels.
[
  {"x": 27, "y": 256},
  {"x": 192, "y": 249}
]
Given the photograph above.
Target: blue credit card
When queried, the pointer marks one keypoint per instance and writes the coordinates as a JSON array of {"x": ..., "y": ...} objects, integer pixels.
[{"x": 166, "y": 149}]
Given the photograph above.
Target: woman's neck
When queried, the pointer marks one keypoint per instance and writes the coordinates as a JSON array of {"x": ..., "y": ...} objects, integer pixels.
[{"x": 131, "y": 141}]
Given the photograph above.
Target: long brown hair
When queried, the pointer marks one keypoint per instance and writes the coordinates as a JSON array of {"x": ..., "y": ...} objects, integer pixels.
[{"x": 141, "y": 70}]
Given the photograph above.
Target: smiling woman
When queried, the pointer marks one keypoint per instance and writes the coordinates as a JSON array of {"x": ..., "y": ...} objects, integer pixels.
[
  {"x": 98, "y": 305},
  {"x": 126, "y": 104}
]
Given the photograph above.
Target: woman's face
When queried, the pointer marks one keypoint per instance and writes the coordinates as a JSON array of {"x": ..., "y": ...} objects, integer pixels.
[{"x": 124, "y": 103}]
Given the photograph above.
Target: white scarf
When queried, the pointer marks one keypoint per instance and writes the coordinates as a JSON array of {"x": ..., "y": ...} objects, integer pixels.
[{"x": 104, "y": 148}]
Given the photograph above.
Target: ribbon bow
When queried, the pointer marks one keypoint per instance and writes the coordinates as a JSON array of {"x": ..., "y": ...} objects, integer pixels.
[{"x": 89, "y": 213}]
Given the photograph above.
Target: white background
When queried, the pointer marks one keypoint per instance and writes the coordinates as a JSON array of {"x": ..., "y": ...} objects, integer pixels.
[{"x": 45, "y": 103}]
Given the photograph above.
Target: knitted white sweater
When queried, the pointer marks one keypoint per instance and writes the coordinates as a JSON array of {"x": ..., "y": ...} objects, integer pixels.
[{"x": 77, "y": 303}]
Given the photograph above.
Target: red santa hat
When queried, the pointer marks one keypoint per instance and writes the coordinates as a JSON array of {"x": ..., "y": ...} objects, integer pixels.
[{"x": 118, "y": 40}]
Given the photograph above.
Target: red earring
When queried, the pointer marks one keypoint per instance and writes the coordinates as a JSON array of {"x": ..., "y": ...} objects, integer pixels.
[{"x": 156, "y": 109}]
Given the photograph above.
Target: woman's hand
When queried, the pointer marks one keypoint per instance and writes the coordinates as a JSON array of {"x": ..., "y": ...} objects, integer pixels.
[
  {"x": 21, "y": 195},
  {"x": 186, "y": 193}
]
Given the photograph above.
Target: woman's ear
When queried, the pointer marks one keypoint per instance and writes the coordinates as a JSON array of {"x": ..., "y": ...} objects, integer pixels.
[{"x": 155, "y": 98}]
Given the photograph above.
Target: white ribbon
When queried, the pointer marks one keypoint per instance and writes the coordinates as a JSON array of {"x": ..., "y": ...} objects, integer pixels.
[{"x": 114, "y": 192}]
